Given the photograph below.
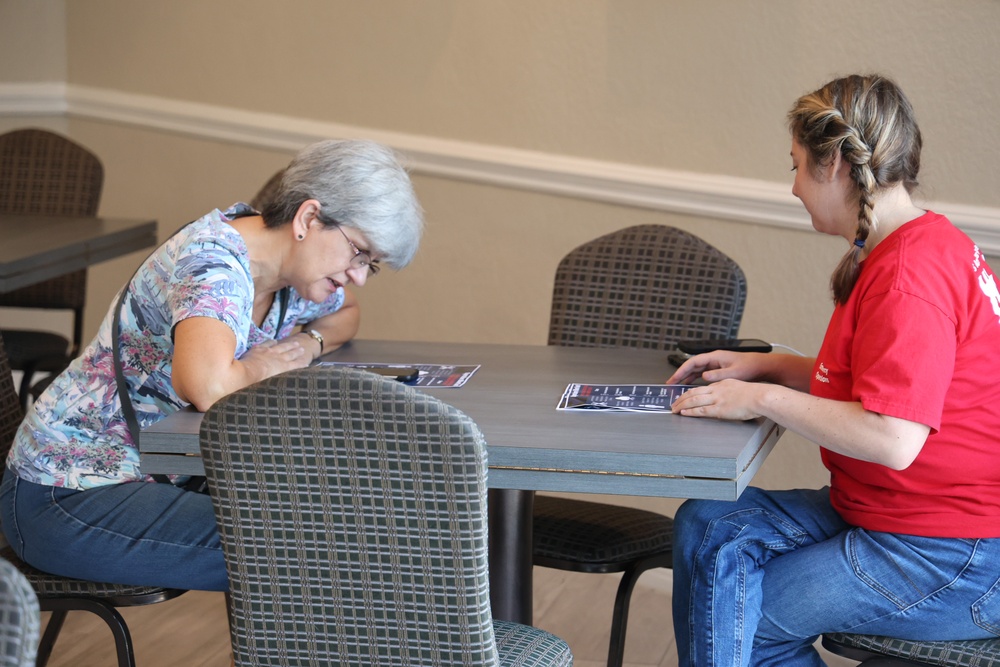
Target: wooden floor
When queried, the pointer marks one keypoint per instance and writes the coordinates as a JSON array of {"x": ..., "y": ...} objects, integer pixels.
[{"x": 191, "y": 630}]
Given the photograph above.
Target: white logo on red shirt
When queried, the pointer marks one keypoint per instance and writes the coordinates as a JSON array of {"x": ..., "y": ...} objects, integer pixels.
[
  {"x": 822, "y": 375},
  {"x": 987, "y": 282}
]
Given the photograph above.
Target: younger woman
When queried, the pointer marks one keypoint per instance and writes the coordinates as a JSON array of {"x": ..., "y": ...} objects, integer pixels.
[{"x": 903, "y": 401}]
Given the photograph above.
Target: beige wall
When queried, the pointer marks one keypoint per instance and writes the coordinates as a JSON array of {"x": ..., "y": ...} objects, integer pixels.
[
  {"x": 694, "y": 85},
  {"x": 697, "y": 86},
  {"x": 32, "y": 41}
]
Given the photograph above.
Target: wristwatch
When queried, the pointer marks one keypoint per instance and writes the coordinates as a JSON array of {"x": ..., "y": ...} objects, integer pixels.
[{"x": 315, "y": 335}]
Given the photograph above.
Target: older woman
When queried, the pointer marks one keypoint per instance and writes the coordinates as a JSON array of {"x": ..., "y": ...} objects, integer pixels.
[{"x": 234, "y": 297}]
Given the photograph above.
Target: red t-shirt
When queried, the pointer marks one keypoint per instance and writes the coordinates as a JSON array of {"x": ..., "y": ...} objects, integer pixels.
[{"x": 919, "y": 339}]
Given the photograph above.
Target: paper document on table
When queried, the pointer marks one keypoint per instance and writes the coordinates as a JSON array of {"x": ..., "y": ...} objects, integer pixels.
[
  {"x": 431, "y": 375},
  {"x": 621, "y": 397}
]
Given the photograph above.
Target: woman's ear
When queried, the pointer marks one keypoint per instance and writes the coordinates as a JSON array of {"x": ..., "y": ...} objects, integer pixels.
[
  {"x": 838, "y": 168},
  {"x": 305, "y": 217}
]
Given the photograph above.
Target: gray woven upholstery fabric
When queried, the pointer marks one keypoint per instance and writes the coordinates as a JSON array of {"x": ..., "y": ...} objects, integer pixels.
[
  {"x": 352, "y": 511},
  {"x": 53, "y": 586},
  {"x": 61, "y": 594},
  {"x": 646, "y": 286},
  {"x": 595, "y": 533},
  {"x": 19, "y": 618},
  {"x": 10, "y": 408},
  {"x": 981, "y": 653},
  {"x": 43, "y": 173}
]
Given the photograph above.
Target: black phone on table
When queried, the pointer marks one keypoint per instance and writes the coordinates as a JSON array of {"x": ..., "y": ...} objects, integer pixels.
[
  {"x": 400, "y": 374},
  {"x": 677, "y": 358},
  {"x": 693, "y": 347}
]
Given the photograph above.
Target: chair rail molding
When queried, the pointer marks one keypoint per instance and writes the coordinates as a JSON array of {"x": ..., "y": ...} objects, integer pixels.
[{"x": 704, "y": 195}]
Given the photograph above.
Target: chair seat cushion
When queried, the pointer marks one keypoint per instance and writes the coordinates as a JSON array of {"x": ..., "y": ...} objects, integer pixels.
[
  {"x": 588, "y": 532},
  {"x": 43, "y": 350},
  {"x": 525, "y": 646},
  {"x": 54, "y": 586},
  {"x": 974, "y": 653}
]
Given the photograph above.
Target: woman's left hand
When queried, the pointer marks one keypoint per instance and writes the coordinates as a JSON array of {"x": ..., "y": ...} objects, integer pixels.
[
  {"x": 727, "y": 399},
  {"x": 845, "y": 427}
]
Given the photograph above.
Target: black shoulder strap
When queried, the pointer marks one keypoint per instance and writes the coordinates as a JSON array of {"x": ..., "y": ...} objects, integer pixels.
[
  {"x": 123, "y": 397},
  {"x": 283, "y": 295},
  {"x": 126, "y": 401}
]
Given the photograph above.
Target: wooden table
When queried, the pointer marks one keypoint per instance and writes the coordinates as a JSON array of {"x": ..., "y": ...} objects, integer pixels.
[
  {"x": 534, "y": 447},
  {"x": 38, "y": 247}
]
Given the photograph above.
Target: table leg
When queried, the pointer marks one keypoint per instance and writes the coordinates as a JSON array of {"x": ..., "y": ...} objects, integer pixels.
[{"x": 510, "y": 516}]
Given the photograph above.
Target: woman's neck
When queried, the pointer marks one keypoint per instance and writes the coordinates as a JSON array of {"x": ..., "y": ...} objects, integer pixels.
[
  {"x": 265, "y": 251},
  {"x": 893, "y": 209}
]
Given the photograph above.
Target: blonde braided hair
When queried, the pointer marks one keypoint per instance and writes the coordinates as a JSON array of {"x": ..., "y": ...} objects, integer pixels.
[{"x": 870, "y": 123}]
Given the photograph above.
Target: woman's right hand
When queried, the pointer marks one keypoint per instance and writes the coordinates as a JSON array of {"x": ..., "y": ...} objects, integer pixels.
[
  {"x": 719, "y": 365},
  {"x": 276, "y": 356},
  {"x": 785, "y": 369},
  {"x": 204, "y": 368}
]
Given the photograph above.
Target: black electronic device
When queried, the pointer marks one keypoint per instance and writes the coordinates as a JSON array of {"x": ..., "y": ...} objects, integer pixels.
[
  {"x": 678, "y": 358},
  {"x": 733, "y": 344},
  {"x": 401, "y": 374}
]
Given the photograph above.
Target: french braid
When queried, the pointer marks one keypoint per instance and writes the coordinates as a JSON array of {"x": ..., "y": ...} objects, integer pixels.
[{"x": 870, "y": 123}]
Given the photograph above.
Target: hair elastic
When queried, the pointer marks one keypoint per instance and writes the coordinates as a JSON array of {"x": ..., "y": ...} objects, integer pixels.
[{"x": 859, "y": 242}]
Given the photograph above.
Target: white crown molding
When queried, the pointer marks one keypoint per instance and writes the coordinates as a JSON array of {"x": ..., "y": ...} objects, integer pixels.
[{"x": 712, "y": 196}]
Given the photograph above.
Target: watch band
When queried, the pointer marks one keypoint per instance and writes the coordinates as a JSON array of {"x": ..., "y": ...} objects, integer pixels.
[{"x": 315, "y": 335}]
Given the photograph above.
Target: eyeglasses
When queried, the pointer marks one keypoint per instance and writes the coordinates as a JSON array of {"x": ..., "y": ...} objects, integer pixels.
[{"x": 362, "y": 258}]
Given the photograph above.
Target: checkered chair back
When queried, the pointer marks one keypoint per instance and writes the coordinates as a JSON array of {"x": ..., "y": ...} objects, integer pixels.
[
  {"x": 11, "y": 413},
  {"x": 647, "y": 286},
  {"x": 44, "y": 173},
  {"x": 19, "y": 618},
  {"x": 352, "y": 511}
]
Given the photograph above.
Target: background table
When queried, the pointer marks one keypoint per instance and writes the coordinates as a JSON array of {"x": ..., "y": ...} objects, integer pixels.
[
  {"x": 39, "y": 247},
  {"x": 534, "y": 447}
]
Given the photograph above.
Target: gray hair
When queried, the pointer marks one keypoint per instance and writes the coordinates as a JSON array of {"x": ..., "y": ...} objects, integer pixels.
[{"x": 359, "y": 184}]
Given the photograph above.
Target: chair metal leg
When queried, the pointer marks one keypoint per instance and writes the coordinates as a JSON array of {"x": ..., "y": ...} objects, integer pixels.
[
  {"x": 619, "y": 619},
  {"x": 108, "y": 613},
  {"x": 25, "y": 389},
  {"x": 52, "y": 629}
]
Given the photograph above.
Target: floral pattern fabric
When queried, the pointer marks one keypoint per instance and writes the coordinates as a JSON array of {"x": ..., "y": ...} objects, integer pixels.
[{"x": 76, "y": 436}]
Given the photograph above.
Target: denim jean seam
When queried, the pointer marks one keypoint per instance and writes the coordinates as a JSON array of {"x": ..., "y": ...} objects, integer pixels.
[
  {"x": 19, "y": 547},
  {"x": 793, "y": 533},
  {"x": 102, "y": 529},
  {"x": 868, "y": 580},
  {"x": 977, "y": 606},
  {"x": 791, "y": 539},
  {"x": 900, "y": 604},
  {"x": 741, "y": 618}
]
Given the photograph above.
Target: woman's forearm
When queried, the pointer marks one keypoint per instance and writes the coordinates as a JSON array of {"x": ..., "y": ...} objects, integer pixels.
[
  {"x": 787, "y": 369},
  {"x": 845, "y": 427}
]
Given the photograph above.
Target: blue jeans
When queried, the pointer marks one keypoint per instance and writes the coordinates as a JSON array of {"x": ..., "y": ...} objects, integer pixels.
[
  {"x": 139, "y": 533},
  {"x": 757, "y": 580}
]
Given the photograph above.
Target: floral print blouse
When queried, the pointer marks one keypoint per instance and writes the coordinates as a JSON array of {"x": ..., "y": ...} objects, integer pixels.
[{"x": 75, "y": 436}]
